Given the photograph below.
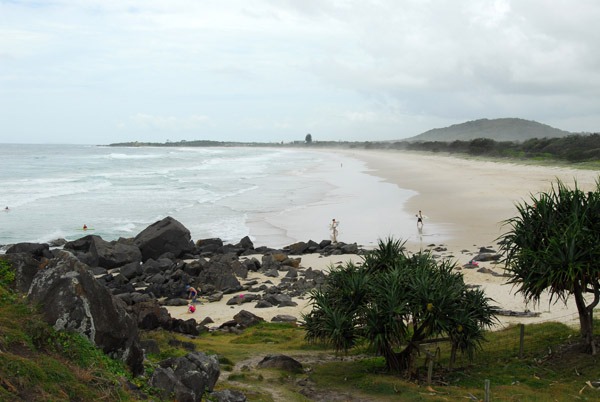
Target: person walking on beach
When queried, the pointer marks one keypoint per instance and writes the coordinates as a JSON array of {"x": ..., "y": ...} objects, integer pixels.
[
  {"x": 420, "y": 220},
  {"x": 193, "y": 294},
  {"x": 334, "y": 231}
]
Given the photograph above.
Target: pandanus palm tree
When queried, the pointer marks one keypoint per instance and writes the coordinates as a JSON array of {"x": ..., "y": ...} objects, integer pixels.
[
  {"x": 554, "y": 245},
  {"x": 396, "y": 303}
]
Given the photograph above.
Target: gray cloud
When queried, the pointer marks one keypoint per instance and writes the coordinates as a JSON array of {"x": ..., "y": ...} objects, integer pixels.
[{"x": 274, "y": 70}]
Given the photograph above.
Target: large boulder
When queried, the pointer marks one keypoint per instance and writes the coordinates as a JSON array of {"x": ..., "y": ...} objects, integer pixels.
[
  {"x": 220, "y": 275},
  {"x": 72, "y": 299},
  {"x": 114, "y": 254},
  {"x": 25, "y": 267},
  {"x": 186, "y": 378},
  {"x": 281, "y": 362},
  {"x": 150, "y": 315},
  {"x": 246, "y": 319},
  {"x": 36, "y": 250},
  {"x": 165, "y": 236}
]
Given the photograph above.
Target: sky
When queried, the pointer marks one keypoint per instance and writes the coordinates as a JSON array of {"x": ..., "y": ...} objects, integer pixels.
[{"x": 105, "y": 71}]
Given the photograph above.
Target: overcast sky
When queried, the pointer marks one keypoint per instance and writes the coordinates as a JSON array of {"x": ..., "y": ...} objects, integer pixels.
[{"x": 102, "y": 71}]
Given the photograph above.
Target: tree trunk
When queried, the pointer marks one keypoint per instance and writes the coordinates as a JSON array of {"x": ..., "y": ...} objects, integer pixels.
[
  {"x": 399, "y": 362},
  {"x": 586, "y": 320},
  {"x": 452, "y": 357}
]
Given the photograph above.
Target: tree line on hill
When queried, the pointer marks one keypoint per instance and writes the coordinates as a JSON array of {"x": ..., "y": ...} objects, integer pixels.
[{"x": 571, "y": 148}]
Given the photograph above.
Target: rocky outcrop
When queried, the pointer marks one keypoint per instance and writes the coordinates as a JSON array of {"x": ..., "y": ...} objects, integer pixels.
[
  {"x": 186, "y": 378},
  {"x": 25, "y": 267},
  {"x": 96, "y": 252},
  {"x": 281, "y": 362},
  {"x": 36, "y": 250},
  {"x": 165, "y": 236},
  {"x": 72, "y": 299}
]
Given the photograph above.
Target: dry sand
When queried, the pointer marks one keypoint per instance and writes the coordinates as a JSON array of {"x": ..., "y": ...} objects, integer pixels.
[{"x": 469, "y": 197}]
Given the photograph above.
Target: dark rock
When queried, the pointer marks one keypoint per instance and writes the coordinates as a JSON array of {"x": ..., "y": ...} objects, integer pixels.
[
  {"x": 82, "y": 244},
  {"x": 252, "y": 264},
  {"x": 215, "y": 297},
  {"x": 284, "y": 318},
  {"x": 189, "y": 327},
  {"x": 278, "y": 299},
  {"x": 287, "y": 304},
  {"x": 240, "y": 299},
  {"x": 25, "y": 267},
  {"x": 350, "y": 248},
  {"x": 72, "y": 299},
  {"x": 169, "y": 386},
  {"x": 246, "y": 319},
  {"x": 131, "y": 270},
  {"x": 263, "y": 304},
  {"x": 292, "y": 273},
  {"x": 98, "y": 271},
  {"x": 281, "y": 362},
  {"x": 246, "y": 244},
  {"x": 220, "y": 275},
  {"x": 324, "y": 243},
  {"x": 214, "y": 242},
  {"x": 227, "y": 324},
  {"x": 227, "y": 395},
  {"x": 150, "y": 315},
  {"x": 312, "y": 246},
  {"x": 194, "y": 268},
  {"x": 57, "y": 242},
  {"x": 272, "y": 273},
  {"x": 36, "y": 250},
  {"x": 165, "y": 236},
  {"x": 113, "y": 254},
  {"x": 487, "y": 257},
  {"x": 486, "y": 250},
  {"x": 150, "y": 346},
  {"x": 297, "y": 248}
]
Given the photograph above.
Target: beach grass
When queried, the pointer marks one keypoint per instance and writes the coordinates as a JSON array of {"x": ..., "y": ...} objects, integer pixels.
[
  {"x": 551, "y": 368},
  {"x": 38, "y": 363}
]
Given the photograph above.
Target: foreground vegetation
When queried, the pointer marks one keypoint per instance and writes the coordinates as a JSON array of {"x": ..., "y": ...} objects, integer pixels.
[
  {"x": 553, "y": 367},
  {"x": 40, "y": 364}
]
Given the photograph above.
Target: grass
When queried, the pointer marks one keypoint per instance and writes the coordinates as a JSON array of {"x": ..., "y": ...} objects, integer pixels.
[
  {"x": 551, "y": 368},
  {"x": 38, "y": 363}
]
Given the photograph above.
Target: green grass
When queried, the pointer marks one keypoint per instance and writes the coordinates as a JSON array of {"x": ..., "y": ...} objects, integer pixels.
[
  {"x": 536, "y": 377},
  {"x": 38, "y": 363}
]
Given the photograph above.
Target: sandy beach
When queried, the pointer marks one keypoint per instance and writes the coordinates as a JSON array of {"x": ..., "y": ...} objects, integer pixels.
[{"x": 469, "y": 198}]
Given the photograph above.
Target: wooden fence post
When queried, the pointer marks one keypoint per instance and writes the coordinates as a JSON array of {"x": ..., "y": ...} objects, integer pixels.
[
  {"x": 430, "y": 371},
  {"x": 486, "y": 397}
]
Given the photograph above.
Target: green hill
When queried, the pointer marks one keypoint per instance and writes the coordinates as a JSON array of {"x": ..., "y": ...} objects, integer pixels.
[{"x": 505, "y": 129}]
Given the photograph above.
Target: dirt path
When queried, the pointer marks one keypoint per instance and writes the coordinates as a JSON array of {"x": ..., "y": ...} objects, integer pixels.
[{"x": 304, "y": 386}]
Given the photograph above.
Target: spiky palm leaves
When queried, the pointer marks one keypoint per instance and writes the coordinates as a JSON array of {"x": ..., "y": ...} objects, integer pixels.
[
  {"x": 396, "y": 300},
  {"x": 554, "y": 245}
]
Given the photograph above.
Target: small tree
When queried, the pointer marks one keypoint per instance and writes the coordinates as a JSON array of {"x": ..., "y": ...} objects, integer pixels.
[
  {"x": 308, "y": 139},
  {"x": 554, "y": 245},
  {"x": 395, "y": 301}
]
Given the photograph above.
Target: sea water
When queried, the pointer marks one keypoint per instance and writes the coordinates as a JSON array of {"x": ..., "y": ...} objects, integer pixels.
[{"x": 277, "y": 196}]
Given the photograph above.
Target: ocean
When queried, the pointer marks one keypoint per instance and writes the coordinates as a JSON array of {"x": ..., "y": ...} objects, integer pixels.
[{"x": 277, "y": 196}]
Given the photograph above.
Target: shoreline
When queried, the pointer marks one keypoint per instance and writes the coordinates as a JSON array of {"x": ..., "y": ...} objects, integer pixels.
[
  {"x": 471, "y": 197},
  {"x": 468, "y": 198}
]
